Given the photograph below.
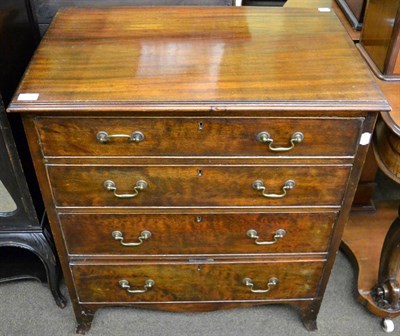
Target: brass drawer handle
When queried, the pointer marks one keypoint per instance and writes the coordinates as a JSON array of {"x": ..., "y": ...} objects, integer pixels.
[
  {"x": 104, "y": 137},
  {"x": 272, "y": 282},
  {"x": 111, "y": 186},
  {"x": 265, "y": 137},
  {"x": 259, "y": 185},
  {"x": 280, "y": 233},
  {"x": 144, "y": 235},
  {"x": 124, "y": 284}
]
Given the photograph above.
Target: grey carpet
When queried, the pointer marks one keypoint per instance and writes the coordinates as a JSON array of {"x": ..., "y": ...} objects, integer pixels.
[
  {"x": 7, "y": 204},
  {"x": 28, "y": 308}
]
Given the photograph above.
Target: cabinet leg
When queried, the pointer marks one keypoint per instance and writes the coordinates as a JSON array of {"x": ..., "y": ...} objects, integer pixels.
[
  {"x": 58, "y": 297},
  {"x": 308, "y": 314},
  {"x": 48, "y": 258},
  {"x": 53, "y": 281},
  {"x": 387, "y": 292},
  {"x": 84, "y": 320}
]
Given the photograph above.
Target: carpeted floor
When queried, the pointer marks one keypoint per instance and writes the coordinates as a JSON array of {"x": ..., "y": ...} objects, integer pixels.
[{"x": 27, "y": 308}]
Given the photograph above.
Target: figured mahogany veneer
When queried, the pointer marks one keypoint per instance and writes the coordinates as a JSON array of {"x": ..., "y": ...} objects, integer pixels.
[
  {"x": 182, "y": 234},
  {"x": 206, "y": 282},
  {"x": 202, "y": 136},
  {"x": 199, "y": 84},
  {"x": 186, "y": 186}
]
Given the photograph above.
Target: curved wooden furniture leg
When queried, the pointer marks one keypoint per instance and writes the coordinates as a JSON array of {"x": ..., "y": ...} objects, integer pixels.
[
  {"x": 387, "y": 292},
  {"x": 39, "y": 245}
]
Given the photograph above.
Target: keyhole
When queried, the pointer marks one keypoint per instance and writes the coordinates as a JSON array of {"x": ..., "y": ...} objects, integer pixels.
[
  {"x": 199, "y": 219},
  {"x": 200, "y": 126},
  {"x": 199, "y": 172},
  {"x": 199, "y": 267}
]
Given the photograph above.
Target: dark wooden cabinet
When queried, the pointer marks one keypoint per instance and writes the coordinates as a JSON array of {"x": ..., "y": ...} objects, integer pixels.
[
  {"x": 195, "y": 159},
  {"x": 380, "y": 38},
  {"x": 354, "y": 11},
  {"x": 26, "y": 247}
]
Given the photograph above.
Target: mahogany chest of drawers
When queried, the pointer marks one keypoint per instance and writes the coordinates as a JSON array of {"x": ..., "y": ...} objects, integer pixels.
[{"x": 197, "y": 159}]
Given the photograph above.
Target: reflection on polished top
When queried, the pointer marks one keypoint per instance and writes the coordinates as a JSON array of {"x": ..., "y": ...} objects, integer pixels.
[{"x": 210, "y": 58}]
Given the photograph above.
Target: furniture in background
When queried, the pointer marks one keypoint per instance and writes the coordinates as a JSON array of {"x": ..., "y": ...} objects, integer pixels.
[
  {"x": 370, "y": 239},
  {"x": 380, "y": 38},
  {"x": 268, "y": 3},
  {"x": 44, "y": 10},
  {"x": 26, "y": 248},
  {"x": 378, "y": 263},
  {"x": 354, "y": 11},
  {"x": 182, "y": 168}
]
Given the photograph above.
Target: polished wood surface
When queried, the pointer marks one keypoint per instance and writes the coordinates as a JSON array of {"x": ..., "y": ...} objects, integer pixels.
[
  {"x": 197, "y": 281},
  {"x": 330, "y": 4},
  {"x": 362, "y": 241},
  {"x": 45, "y": 10},
  {"x": 215, "y": 65},
  {"x": 172, "y": 186},
  {"x": 197, "y": 136},
  {"x": 387, "y": 135},
  {"x": 392, "y": 94},
  {"x": 207, "y": 67},
  {"x": 308, "y": 3},
  {"x": 381, "y": 36},
  {"x": 172, "y": 234}
]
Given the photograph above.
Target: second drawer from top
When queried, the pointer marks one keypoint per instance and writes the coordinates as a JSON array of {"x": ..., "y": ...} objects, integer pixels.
[{"x": 193, "y": 186}]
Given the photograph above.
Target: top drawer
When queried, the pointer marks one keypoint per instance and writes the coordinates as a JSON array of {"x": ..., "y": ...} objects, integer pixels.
[{"x": 195, "y": 136}]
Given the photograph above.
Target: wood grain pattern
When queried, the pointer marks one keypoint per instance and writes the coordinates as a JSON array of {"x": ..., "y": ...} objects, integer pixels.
[
  {"x": 189, "y": 282},
  {"x": 176, "y": 234},
  {"x": 380, "y": 36},
  {"x": 218, "y": 59},
  {"x": 308, "y": 4},
  {"x": 184, "y": 136},
  {"x": 222, "y": 65},
  {"x": 46, "y": 9},
  {"x": 387, "y": 134},
  {"x": 181, "y": 186}
]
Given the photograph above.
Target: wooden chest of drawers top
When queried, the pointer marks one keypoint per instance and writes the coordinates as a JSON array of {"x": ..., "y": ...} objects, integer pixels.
[{"x": 210, "y": 59}]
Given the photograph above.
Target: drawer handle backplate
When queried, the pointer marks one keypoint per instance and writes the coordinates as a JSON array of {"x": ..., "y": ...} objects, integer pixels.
[
  {"x": 124, "y": 284},
  {"x": 111, "y": 186},
  {"x": 280, "y": 233},
  {"x": 272, "y": 282},
  {"x": 259, "y": 185},
  {"x": 104, "y": 137},
  {"x": 265, "y": 137},
  {"x": 144, "y": 235}
]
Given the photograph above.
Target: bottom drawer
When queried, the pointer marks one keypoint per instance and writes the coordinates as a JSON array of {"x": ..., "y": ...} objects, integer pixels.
[{"x": 196, "y": 281}]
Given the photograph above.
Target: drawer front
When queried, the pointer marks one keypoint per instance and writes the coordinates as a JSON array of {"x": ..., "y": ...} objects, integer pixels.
[
  {"x": 197, "y": 186},
  {"x": 197, "y": 136},
  {"x": 196, "y": 282},
  {"x": 197, "y": 234}
]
